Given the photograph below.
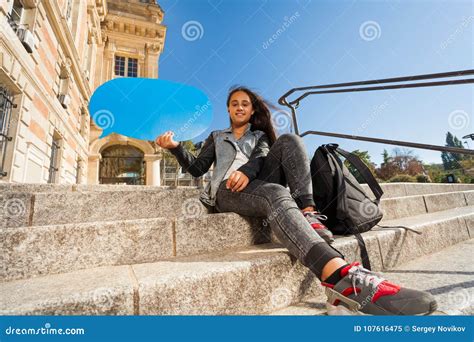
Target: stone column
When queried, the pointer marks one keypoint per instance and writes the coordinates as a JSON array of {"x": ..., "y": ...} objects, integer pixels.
[
  {"x": 142, "y": 71},
  {"x": 98, "y": 66},
  {"x": 93, "y": 169},
  {"x": 80, "y": 171},
  {"x": 156, "y": 172},
  {"x": 152, "y": 169},
  {"x": 108, "y": 72},
  {"x": 151, "y": 60}
]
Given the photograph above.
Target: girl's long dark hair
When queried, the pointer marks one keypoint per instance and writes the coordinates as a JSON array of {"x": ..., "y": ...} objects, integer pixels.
[{"x": 261, "y": 118}]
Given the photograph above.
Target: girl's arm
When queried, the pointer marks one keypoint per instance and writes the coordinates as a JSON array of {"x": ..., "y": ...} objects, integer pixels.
[
  {"x": 255, "y": 163},
  {"x": 196, "y": 166}
]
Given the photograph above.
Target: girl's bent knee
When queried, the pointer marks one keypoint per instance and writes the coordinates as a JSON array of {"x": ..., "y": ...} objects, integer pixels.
[{"x": 291, "y": 137}]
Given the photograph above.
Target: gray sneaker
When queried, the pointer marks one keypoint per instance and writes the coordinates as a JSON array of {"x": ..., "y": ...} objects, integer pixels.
[
  {"x": 314, "y": 218},
  {"x": 362, "y": 292}
]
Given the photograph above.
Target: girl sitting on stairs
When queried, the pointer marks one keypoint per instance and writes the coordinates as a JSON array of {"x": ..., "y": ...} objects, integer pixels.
[{"x": 252, "y": 171}]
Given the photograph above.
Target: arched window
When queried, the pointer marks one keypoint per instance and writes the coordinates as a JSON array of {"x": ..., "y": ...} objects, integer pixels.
[{"x": 122, "y": 164}]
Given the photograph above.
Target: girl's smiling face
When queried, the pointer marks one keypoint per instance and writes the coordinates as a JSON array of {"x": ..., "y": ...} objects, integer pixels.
[{"x": 240, "y": 108}]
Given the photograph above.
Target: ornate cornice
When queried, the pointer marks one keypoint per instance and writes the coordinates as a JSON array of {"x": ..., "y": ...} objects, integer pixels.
[
  {"x": 137, "y": 9},
  {"x": 124, "y": 25}
]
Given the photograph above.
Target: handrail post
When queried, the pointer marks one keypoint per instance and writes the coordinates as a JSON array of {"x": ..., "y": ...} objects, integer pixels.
[{"x": 293, "y": 115}]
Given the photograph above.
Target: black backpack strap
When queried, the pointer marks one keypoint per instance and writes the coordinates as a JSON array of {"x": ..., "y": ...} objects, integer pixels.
[
  {"x": 403, "y": 227},
  {"x": 363, "y": 251},
  {"x": 360, "y": 241},
  {"x": 364, "y": 171}
]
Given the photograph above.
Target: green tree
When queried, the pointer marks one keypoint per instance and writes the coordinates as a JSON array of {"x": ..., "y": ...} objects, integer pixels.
[
  {"x": 365, "y": 157},
  {"x": 452, "y": 160},
  {"x": 386, "y": 156}
]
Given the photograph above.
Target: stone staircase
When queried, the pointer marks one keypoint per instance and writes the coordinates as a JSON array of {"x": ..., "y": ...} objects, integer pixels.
[{"x": 140, "y": 250}]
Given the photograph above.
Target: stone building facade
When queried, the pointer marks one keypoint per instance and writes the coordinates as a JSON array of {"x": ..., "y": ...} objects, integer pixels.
[{"x": 53, "y": 55}]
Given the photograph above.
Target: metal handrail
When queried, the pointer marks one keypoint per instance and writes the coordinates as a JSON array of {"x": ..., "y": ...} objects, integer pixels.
[
  {"x": 295, "y": 103},
  {"x": 392, "y": 142}
]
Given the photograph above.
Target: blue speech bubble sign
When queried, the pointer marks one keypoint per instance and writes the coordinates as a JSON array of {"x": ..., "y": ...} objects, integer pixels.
[{"x": 144, "y": 108}]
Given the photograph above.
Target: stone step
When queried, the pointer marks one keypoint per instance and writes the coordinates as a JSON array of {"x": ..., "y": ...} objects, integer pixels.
[
  {"x": 36, "y": 251},
  {"x": 390, "y": 189},
  {"x": 46, "y": 208},
  {"x": 40, "y": 250},
  {"x": 409, "y": 189},
  {"x": 250, "y": 280},
  {"x": 43, "y": 187},
  {"x": 446, "y": 274},
  {"x": 400, "y": 207}
]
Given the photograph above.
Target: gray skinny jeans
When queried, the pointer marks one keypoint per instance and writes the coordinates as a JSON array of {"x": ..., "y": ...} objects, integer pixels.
[{"x": 267, "y": 196}]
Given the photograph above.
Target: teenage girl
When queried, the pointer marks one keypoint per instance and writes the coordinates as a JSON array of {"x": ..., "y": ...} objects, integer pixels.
[{"x": 252, "y": 171}]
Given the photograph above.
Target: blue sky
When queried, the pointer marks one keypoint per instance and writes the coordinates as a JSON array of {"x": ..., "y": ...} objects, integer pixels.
[{"x": 320, "y": 42}]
